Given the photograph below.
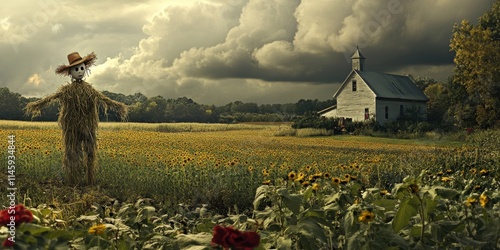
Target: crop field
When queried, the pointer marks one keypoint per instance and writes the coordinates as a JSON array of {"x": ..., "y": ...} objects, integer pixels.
[{"x": 226, "y": 167}]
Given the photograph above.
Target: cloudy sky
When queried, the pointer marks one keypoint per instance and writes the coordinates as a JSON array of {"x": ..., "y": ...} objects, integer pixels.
[{"x": 218, "y": 51}]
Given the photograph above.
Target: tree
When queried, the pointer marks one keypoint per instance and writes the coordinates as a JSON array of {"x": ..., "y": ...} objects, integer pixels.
[
  {"x": 438, "y": 103},
  {"x": 10, "y": 105},
  {"x": 477, "y": 70}
]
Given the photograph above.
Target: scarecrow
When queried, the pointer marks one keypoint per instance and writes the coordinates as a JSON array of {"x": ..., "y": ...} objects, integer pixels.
[{"x": 78, "y": 118}]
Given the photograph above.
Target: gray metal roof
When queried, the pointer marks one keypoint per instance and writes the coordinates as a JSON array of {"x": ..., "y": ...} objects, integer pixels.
[{"x": 392, "y": 86}]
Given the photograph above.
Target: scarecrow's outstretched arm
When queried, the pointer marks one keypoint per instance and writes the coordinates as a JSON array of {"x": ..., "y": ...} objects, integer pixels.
[
  {"x": 118, "y": 107},
  {"x": 35, "y": 108}
]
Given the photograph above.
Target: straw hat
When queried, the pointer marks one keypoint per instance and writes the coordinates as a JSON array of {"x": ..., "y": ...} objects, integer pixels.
[{"x": 75, "y": 59}]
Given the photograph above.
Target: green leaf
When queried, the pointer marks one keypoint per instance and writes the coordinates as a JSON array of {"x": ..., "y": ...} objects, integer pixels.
[
  {"x": 312, "y": 229},
  {"x": 489, "y": 230},
  {"x": 348, "y": 223},
  {"x": 260, "y": 194},
  {"x": 284, "y": 243},
  {"x": 33, "y": 229},
  {"x": 445, "y": 193},
  {"x": 292, "y": 201},
  {"x": 187, "y": 240},
  {"x": 94, "y": 217},
  {"x": 441, "y": 229},
  {"x": 387, "y": 204},
  {"x": 354, "y": 242},
  {"x": 144, "y": 213},
  {"x": 407, "y": 209},
  {"x": 308, "y": 193}
]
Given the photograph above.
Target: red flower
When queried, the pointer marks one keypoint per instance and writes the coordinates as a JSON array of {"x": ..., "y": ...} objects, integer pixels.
[
  {"x": 7, "y": 243},
  {"x": 20, "y": 214},
  {"x": 228, "y": 237}
]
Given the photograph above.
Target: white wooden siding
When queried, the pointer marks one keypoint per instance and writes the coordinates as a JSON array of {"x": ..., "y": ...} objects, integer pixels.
[{"x": 352, "y": 104}]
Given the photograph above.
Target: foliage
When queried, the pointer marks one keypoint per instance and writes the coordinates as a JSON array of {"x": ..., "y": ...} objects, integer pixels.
[
  {"x": 158, "y": 109},
  {"x": 316, "y": 121},
  {"x": 447, "y": 208},
  {"x": 477, "y": 71}
]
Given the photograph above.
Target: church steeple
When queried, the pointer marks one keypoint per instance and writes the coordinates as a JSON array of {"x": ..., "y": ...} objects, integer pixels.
[{"x": 358, "y": 60}]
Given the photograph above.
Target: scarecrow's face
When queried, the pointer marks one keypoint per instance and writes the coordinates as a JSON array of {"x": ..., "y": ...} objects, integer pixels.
[{"x": 78, "y": 71}]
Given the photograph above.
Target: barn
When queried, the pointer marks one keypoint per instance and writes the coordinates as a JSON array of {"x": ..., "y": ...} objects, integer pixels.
[{"x": 368, "y": 95}]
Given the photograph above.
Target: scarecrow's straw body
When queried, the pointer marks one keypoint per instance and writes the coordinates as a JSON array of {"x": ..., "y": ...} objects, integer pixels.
[{"x": 78, "y": 118}]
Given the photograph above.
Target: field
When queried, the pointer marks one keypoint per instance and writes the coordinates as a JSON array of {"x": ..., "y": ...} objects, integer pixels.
[{"x": 224, "y": 168}]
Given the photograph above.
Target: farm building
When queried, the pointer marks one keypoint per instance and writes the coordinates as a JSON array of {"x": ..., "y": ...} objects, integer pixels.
[{"x": 384, "y": 97}]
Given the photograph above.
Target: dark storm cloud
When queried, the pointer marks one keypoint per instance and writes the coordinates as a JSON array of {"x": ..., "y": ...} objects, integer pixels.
[{"x": 217, "y": 51}]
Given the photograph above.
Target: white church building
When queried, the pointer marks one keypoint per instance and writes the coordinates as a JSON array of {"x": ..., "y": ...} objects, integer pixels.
[{"x": 384, "y": 97}]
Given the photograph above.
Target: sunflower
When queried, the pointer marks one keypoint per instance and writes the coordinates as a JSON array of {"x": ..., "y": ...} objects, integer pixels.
[
  {"x": 484, "y": 172},
  {"x": 305, "y": 184},
  {"x": 300, "y": 177},
  {"x": 265, "y": 172},
  {"x": 470, "y": 201},
  {"x": 347, "y": 176},
  {"x": 336, "y": 181},
  {"x": 473, "y": 171},
  {"x": 250, "y": 168},
  {"x": 97, "y": 229},
  {"x": 316, "y": 186},
  {"x": 366, "y": 216},
  {"x": 445, "y": 179},
  {"x": 326, "y": 175},
  {"x": 292, "y": 176},
  {"x": 483, "y": 200}
]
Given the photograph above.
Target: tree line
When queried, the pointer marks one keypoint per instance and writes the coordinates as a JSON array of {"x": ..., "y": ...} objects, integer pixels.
[
  {"x": 470, "y": 98},
  {"x": 159, "y": 109}
]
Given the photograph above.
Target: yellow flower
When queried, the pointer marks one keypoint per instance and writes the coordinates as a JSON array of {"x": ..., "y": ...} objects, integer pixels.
[
  {"x": 336, "y": 180},
  {"x": 326, "y": 175},
  {"x": 484, "y": 172},
  {"x": 305, "y": 184},
  {"x": 268, "y": 182},
  {"x": 473, "y": 171},
  {"x": 366, "y": 216},
  {"x": 445, "y": 179},
  {"x": 470, "y": 201},
  {"x": 300, "y": 177},
  {"x": 347, "y": 176},
  {"x": 483, "y": 200},
  {"x": 250, "y": 168},
  {"x": 265, "y": 172},
  {"x": 292, "y": 176},
  {"x": 315, "y": 186},
  {"x": 97, "y": 229}
]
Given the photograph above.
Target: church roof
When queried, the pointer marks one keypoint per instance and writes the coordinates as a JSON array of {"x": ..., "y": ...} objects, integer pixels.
[{"x": 392, "y": 86}]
